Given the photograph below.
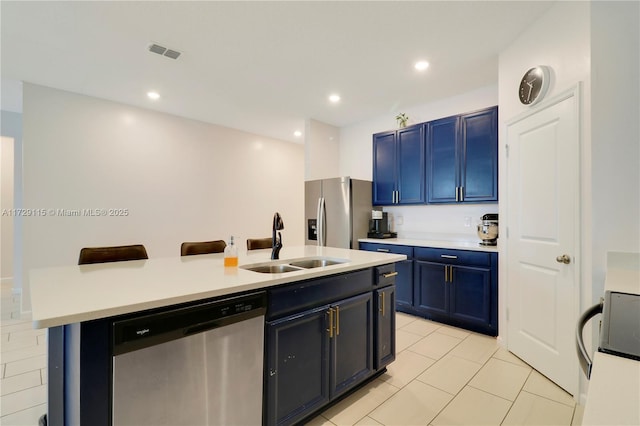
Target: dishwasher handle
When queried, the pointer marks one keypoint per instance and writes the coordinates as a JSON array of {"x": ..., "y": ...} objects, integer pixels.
[{"x": 583, "y": 355}]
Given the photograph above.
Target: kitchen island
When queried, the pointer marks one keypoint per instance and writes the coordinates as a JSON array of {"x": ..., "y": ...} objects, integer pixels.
[{"x": 81, "y": 305}]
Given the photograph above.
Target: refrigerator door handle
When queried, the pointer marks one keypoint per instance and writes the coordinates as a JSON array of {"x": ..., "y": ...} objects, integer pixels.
[
  {"x": 323, "y": 221},
  {"x": 319, "y": 221}
]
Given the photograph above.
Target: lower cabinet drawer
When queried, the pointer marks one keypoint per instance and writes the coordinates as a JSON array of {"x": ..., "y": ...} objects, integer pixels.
[
  {"x": 385, "y": 275},
  {"x": 388, "y": 248},
  {"x": 453, "y": 257}
]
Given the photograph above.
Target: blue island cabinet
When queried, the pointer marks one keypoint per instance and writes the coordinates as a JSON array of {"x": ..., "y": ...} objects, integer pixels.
[
  {"x": 320, "y": 342},
  {"x": 399, "y": 166},
  {"x": 404, "y": 268}
]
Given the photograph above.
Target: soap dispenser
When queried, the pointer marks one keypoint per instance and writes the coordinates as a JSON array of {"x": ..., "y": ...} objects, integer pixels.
[{"x": 231, "y": 254}]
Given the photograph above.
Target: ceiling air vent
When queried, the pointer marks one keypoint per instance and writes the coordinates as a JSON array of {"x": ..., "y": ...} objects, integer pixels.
[{"x": 161, "y": 50}]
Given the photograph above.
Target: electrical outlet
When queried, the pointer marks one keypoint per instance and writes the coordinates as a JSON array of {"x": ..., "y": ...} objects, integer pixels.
[{"x": 467, "y": 222}]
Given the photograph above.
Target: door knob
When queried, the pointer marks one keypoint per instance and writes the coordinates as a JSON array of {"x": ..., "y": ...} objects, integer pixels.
[{"x": 563, "y": 259}]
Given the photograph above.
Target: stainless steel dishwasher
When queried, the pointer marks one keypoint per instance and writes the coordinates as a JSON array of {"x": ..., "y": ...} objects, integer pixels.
[{"x": 194, "y": 365}]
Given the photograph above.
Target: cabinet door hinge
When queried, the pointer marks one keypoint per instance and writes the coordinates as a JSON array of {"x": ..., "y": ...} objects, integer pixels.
[{"x": 506, "y": 148}]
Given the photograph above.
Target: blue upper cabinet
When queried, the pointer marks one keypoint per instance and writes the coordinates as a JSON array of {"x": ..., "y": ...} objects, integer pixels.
[
  {"x": 443, "y": 159},
  {"x": 384, "y": 168},
  {"x": 399, "y": 166},
  {"x": 462, "y": 158}
]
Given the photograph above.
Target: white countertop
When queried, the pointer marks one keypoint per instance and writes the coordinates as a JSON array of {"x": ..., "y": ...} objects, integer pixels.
[
  {"x": 458, "y": 245},
  {"x": 614, "y": 388},
  {"x": 71, "y": 294}
]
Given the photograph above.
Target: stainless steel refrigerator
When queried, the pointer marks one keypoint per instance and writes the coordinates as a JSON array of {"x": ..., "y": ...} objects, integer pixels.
[{"x": 337, "y": 211}]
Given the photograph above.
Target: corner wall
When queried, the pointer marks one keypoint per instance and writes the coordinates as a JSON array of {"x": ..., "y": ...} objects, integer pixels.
[
  {"x": 176, "y": 179},
  {"x": 321, "y": 150}
]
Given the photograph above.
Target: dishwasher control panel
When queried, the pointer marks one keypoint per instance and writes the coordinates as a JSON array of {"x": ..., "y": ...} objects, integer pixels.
[{"x": 145, "y": 330}]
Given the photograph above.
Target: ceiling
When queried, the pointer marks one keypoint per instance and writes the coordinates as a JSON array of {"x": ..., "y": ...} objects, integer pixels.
[{"x": 263, "y": 67}]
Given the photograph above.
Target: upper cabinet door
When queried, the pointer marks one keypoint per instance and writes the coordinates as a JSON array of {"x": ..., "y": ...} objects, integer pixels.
[
  {"x": 479, "y": 156},
  {"x": 442, "y": 160},
  {"x": 384, "y": 168},
  {"x": 462, "y": 158},
  {"x": 411, "y": 165}
]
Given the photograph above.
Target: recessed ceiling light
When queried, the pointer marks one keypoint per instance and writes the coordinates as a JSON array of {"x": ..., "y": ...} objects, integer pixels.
[
  {"x": 421, "y": 65},
  {"x": 154, "y": 96},
  {"x": 297, "y": 133},
  {"x": 334, "y": 98}
]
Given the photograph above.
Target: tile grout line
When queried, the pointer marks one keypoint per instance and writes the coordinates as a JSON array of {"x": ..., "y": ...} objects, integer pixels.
[{"x": 465, "y": 385}]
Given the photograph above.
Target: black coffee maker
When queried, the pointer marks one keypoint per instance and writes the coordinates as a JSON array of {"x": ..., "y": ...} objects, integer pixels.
[{"x": 379, "y": 225}]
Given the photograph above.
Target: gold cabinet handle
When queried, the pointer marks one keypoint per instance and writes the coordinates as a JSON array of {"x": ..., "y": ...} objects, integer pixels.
[
  {"x": 330, "y": 329},
  {"x": 337, "y": 320},
  {"x": 390, "y": 274},
  {"x": 446, "y": 273},
  {"x": 382, "y": 308}
]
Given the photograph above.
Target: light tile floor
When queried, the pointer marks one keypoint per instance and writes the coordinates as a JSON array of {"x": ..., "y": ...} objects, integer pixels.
[
  {"x": 23, "y": 360},
  {"x": 444, "y": 375},
  {"x": 441, "y": 376}
]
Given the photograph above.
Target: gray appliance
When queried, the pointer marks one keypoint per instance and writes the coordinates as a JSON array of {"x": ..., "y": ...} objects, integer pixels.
[
  {"x": 337, "y": 211},
  {"x": 619, "y": 329},
  {"x": 195, "y": 365}
]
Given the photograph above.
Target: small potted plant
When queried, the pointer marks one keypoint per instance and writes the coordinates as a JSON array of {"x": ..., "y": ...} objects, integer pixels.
[{"x": 402, "y": 120}]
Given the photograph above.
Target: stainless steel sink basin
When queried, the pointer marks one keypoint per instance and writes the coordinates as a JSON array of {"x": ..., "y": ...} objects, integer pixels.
[
  {"x": 292, "y": 265},
  {"x": 271, "y": 269},
  {"x": 315, "y": 263}
]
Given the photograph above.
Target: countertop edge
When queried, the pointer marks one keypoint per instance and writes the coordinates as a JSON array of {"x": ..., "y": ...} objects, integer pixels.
[
  {"x": 454, "y": 245},
  {"x": 259, "y": 282}
]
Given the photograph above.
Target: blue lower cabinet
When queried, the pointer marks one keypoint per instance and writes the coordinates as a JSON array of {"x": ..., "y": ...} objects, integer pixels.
[
  {"x": 315, "y": 356},
  {"x": 471, "y": 297},
  {"x": 404, "y": 279},
  {"x": 432, "y": 289},
  {"x": 297, "y": 366},
  {"x": 351, "y": 344},
  {"x": 404, "y": 284},
  {"x": 458, "y": 287},
  {"x": 385, "y": 307}
]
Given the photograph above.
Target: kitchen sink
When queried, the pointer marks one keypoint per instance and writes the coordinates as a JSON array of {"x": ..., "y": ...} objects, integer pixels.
[
  {"x": 292, "y": 266},
  {"x": 316, "y": 263},
  {"x": 271, "y": 269}
]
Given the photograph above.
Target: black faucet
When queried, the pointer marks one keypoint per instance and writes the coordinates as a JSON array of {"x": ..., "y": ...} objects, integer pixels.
[{"x": 276, "y": 242}]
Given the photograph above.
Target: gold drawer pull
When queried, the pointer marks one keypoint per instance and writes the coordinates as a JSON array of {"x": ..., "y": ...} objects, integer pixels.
[{"x": 390, "y": 274}]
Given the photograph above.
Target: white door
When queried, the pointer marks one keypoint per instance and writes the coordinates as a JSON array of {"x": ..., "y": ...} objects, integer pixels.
[{"x": 543, "y": 218}]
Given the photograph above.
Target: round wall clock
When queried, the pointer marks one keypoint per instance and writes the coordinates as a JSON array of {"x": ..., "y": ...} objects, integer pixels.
[{"x": 534, "y": 85}]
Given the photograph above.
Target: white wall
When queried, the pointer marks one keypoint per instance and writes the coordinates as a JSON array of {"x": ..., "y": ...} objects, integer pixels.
[
  {"x": 615, "y": 132},
  {"x": 6, "y": 206},
  {"x": 596, "y": 43},
  {"x": 11, "y": 126},
  {"x": 447, "y": 221},
  {"x": 181, "y": 180},
  {"x": 561, "y": 40},
  {"x": 321, "y": 150}
]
